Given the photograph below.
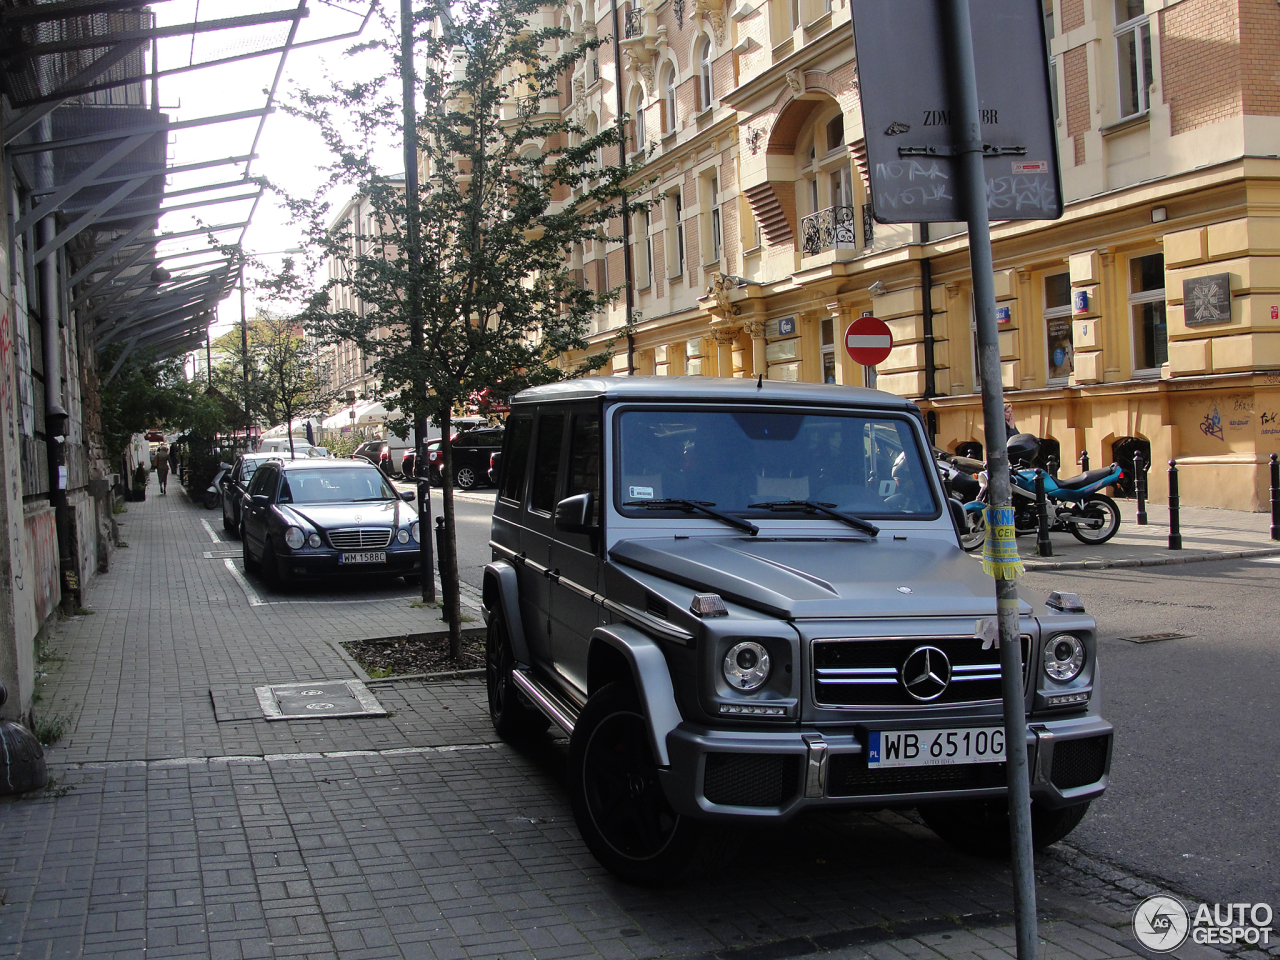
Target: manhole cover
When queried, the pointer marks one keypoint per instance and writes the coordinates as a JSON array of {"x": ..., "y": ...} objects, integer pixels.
[
  {"x": 1155, "y": 637},
  {"x": 331, "y": 698}
]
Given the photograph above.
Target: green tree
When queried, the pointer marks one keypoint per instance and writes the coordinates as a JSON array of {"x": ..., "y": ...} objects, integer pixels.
[
  {"x": 286, "y": 381},
  {"x": 509, "y": 191},
  {"x": 150, "y": 393}
]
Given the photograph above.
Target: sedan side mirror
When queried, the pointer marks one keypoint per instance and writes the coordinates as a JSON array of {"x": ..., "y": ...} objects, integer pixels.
[
  {"x": 408, "y": 496},
  {"x": 260, "y": 499},
  {"x": 573, "y": 514}
]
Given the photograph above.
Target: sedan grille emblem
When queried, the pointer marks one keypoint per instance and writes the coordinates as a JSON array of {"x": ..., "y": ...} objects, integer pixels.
[
  {"x": 357, "y": 518},
  {"x": 925, "y": 673}
]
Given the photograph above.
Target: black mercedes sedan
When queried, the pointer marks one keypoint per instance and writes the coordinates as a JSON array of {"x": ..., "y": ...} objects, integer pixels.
[{"x": 323, "y": 518}]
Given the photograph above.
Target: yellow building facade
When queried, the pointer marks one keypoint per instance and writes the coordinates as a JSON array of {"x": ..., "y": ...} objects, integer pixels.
[{"x": 1146, "y": 319}]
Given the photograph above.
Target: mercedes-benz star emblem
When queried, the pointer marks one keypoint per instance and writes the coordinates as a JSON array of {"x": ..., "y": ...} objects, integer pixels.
[{"x": 926, "y": 673}]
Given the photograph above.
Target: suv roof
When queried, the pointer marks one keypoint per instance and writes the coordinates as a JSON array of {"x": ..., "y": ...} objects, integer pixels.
[{"x": 722, "y": 389}]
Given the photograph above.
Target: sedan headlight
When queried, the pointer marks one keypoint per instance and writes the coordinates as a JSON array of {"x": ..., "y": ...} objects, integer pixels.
[
  {"x": 402, "y": 535},
  {"x": 1063, "y": 657},
  {"x": 746, "y": 666},
  {"x": 314, "y": 540},
  {"x": 294, "y": 538},
  {"x": 413, "y": 532}
]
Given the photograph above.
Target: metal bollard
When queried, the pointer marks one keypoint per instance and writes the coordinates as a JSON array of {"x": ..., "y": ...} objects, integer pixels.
[
  {"x": 1275, "y": 497},
  {"x": 1175, "y": 529},
  {"x": 440, "y": 546},
  {"x": 1043, "y": 543},
  {"x": 1084, "y": 461},
  {"x": 1140, "y": 468}
]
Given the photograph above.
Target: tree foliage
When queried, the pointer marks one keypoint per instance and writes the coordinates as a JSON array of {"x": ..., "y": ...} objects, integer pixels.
[
  {"x": 510, "y": 192},
  {"x": 148, "y": 393}
]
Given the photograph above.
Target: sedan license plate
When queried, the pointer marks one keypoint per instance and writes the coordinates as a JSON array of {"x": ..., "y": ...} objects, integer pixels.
[
  {"x": 928, "y": 748},
  {"x": 378, "y": 556}
]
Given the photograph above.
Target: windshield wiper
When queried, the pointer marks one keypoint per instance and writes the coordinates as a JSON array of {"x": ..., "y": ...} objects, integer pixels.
[
  {"x": 814, "y": 506},
  {"x": 702, "y": 506}
]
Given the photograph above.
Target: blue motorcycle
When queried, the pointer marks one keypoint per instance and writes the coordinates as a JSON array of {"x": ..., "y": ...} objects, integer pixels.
[{"x": 1076, "y": 505}]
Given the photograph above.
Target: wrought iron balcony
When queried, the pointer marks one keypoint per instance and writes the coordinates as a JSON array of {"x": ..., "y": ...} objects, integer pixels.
[
  {"x": 833, "y": 227},
  {"x": 527, "y": 106},
  {"x": 635, "y": 23}
]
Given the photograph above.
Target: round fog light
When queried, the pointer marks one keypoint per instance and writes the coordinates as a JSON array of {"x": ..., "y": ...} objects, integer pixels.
[
  {"x": 1063, "y": 657},
  {"x": 402, "y": 536},
  {"x": 314, "y": 540},
  {"x": 746, "y": 665}
]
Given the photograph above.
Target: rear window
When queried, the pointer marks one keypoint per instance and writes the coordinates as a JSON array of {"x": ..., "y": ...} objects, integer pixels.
[{"x": 515, "y": 457}]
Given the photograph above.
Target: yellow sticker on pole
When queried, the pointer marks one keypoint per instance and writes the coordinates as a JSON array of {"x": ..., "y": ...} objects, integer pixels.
[{"x": 1000, "y": 557}]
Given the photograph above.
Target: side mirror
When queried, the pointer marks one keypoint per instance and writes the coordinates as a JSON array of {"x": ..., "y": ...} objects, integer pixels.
[
  {"x": 408, "y": 496},
  {"x": 573, "y": 514},
  {"x": 260, "y": 499},
  {"x": 225, "y": 466},
  {"x": 958, "y": 519}
]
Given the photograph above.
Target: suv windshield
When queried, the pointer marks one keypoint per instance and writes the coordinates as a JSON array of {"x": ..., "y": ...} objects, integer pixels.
[
  {"x": 769, "y": 463},
  {"x": 334, "y": 486}
]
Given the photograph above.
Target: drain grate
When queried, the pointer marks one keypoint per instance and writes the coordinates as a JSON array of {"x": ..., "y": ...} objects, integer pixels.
[
  {"x": 328, "y": 698},
  {"x": 1156, "y": 637}
]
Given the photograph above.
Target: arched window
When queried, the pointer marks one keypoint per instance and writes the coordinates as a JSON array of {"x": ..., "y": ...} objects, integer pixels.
[
  {"x": 704, "y": 73},
  {"x": 637, "y": 112},
  {"x": 669, "y": 99}
]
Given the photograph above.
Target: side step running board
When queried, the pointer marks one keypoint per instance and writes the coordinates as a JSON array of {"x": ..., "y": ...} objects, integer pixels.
[{"x": 557, "y": 709}]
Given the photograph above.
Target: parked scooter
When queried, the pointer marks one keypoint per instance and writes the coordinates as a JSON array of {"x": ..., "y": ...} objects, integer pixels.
[
  {"x": 213, "y": 496},
  {"x": 1076, "y": 505}
]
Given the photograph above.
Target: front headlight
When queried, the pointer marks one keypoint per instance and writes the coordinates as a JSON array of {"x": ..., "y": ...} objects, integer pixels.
[
  {"x": 1063, "y": 657},
  {"x": 746, "y": 666},
  {"x": 402, "y": 535},
  {"x": 413, "y": 532},
  {"x": 314, "y": 540},
  {"x": 294, "y": 538}
]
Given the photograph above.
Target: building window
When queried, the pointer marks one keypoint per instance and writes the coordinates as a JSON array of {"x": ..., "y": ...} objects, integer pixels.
[
  {"x": 835, "y": 132},
  {"x": 648, "y": 250},
  {"x": 828, "y": 350},
  {"x": 677, "y": 231},
  {"x": 715, "y": 219},
  {"x": 638, "y": 110},
  {"x": 1133, "y": 57},
  {"x": 1146, "y": 307},
  {"x": 704, "y": 73},
  {"x": 1057, "y": 326},
  {"x": 669, "y": 114}
]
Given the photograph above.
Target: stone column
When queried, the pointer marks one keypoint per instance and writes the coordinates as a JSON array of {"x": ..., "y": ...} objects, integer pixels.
[
  {"x": 755, "y": 329},
  {"x": 724, "y": 338}
]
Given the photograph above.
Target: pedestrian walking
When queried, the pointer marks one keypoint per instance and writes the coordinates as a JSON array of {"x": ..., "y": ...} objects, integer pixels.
[{"x": 162, "y": 465}]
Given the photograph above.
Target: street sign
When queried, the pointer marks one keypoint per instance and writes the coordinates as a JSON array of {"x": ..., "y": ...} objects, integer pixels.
[
  {"x": 868, "y": 340},
  {"x": 907, "y": 111}
]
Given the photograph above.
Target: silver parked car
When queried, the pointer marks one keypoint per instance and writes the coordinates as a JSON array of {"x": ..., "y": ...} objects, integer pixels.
[{"x": 744, "y": 600}]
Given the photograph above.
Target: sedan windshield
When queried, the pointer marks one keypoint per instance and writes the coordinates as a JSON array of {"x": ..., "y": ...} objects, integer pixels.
[
  {"x": 343, "y": 485},
  {"x": 773, "y": 464}
]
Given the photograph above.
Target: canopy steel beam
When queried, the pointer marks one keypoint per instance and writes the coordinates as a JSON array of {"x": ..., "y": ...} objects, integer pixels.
[
  {"x": 56, "y": 10},
  {"x": 105, "y": 253},
  {"x": 83, "y": 179},
  {"x": 73, "y": 87},
  {"x": 117, "y": 215},
  {"x": 124, "y": 355},
  {"x": 185, "y": 192},
  {"x": 155, "y": 33},
  {"x": 159, "y": 172},
  {"x": 174, "y": 293},
  {"x": 153, "y": 322},
  {"x": 89, "y": 218},
  {"x": 122, "y": 132},
  {"x": 101, "y": 284}
]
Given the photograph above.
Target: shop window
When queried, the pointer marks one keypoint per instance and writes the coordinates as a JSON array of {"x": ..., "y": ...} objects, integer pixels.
[
  {"x": 1133, "y": 57},
  {"x": 1057, "y": 327},
  {"x": 1146, "y": 307}
]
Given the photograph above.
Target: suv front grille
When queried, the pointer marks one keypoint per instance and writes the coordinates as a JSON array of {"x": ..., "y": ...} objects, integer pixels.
[
  {"x": 361, "y": 538},
  {"x": 751, "y": 780},
  {"x": 851, "y": 673}
]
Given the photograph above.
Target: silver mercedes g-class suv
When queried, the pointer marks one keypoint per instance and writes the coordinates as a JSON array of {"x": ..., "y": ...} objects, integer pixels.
[{"x": 746, "y": 599}]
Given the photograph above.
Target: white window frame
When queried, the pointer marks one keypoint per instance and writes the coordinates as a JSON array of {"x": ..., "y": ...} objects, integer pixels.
[
  {"x": 677, "y": 233},
  {"x": 648, "y": 248},
  {"x": 1139, "y": 29},
  {"x": 641, "y": 140},
  {"x": 1139, "y": 299},
  {"x": 713, "y": 186},
  {"x": 669, "y": 99},
  {"x": 706, "y": 85},
  {"x": 1048, "y": 313}
]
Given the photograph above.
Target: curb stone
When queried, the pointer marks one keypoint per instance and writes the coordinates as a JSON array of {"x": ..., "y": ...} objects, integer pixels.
[{"x": 1034, "y": 566}]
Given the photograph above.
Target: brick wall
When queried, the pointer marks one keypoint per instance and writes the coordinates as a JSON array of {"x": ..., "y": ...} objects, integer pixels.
[
  {"x": 1200, "y": 62},
  {"x": 1072, "y": 14},
  {"x": 1259, "y": 56},
  {"x": 659, "y": 263},
  {"x": 722, "y": 75},
  {"x": 1075, "y": 71},
  {"x": 686, "y": 102},
  {"x": 617, "y": 268}
]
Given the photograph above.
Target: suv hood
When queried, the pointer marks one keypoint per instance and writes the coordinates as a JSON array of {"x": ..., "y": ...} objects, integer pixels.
[{"x": 812, "y": 578}]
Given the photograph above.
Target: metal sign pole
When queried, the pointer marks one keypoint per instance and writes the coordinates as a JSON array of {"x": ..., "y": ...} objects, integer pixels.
[{"x": 972, "y": 192}]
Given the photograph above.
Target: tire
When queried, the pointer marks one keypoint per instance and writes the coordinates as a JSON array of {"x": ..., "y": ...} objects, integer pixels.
[
  {"x": 270, "y": 568},
  {"x": 511, "y": 717},
  {"x": 250, "y": 565},
  {"x": 981, "y": 827},
  {"x": 1098, "y": 506},
  {"x": 465, "y": 478},
  {"x": 975, "y": 534},
  {"x": 618, "y": 803}
]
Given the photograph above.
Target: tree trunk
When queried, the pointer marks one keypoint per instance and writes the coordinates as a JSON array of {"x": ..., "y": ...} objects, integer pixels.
[{"x": 450, "y": 589}]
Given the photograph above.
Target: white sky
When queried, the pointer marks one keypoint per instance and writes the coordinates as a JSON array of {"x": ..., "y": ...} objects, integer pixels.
[{"x": 290, "y": 151}]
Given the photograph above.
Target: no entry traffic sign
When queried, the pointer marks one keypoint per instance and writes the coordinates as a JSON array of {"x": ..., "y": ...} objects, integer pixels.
[{"x": 868, "y": 341}]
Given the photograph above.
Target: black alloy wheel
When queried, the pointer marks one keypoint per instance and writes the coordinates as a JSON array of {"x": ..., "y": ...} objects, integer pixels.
[
  {"x": 511, "y": 717},
  {"x": 619, "y": 805}
]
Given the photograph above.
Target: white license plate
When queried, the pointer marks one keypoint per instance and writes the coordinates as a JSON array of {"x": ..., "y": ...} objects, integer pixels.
[
  {"x": 929, "y": 748},
  {"x": 378, "y": 556}
]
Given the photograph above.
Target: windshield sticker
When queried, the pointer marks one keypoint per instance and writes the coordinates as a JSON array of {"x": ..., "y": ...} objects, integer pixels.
[{"x": 641, "y": 493}]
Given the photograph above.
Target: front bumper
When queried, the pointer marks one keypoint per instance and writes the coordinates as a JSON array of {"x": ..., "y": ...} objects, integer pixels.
[
  {"x": 316, "y": 563},
  {"x": 730, "y": 774}
]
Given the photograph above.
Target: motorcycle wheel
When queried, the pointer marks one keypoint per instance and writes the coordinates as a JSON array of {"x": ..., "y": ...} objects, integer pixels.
[
  {"x": 1103, "y": 511},
  {"x": 975, "y": 534}
]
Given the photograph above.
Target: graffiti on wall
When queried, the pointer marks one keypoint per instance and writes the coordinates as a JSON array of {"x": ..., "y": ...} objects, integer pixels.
[
  {"x": 6, "y": 364},
  {"x": 1211, "y": 425},
  {"x": 1238, "y": 417},
  {"x": 42, "y": 561}
]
